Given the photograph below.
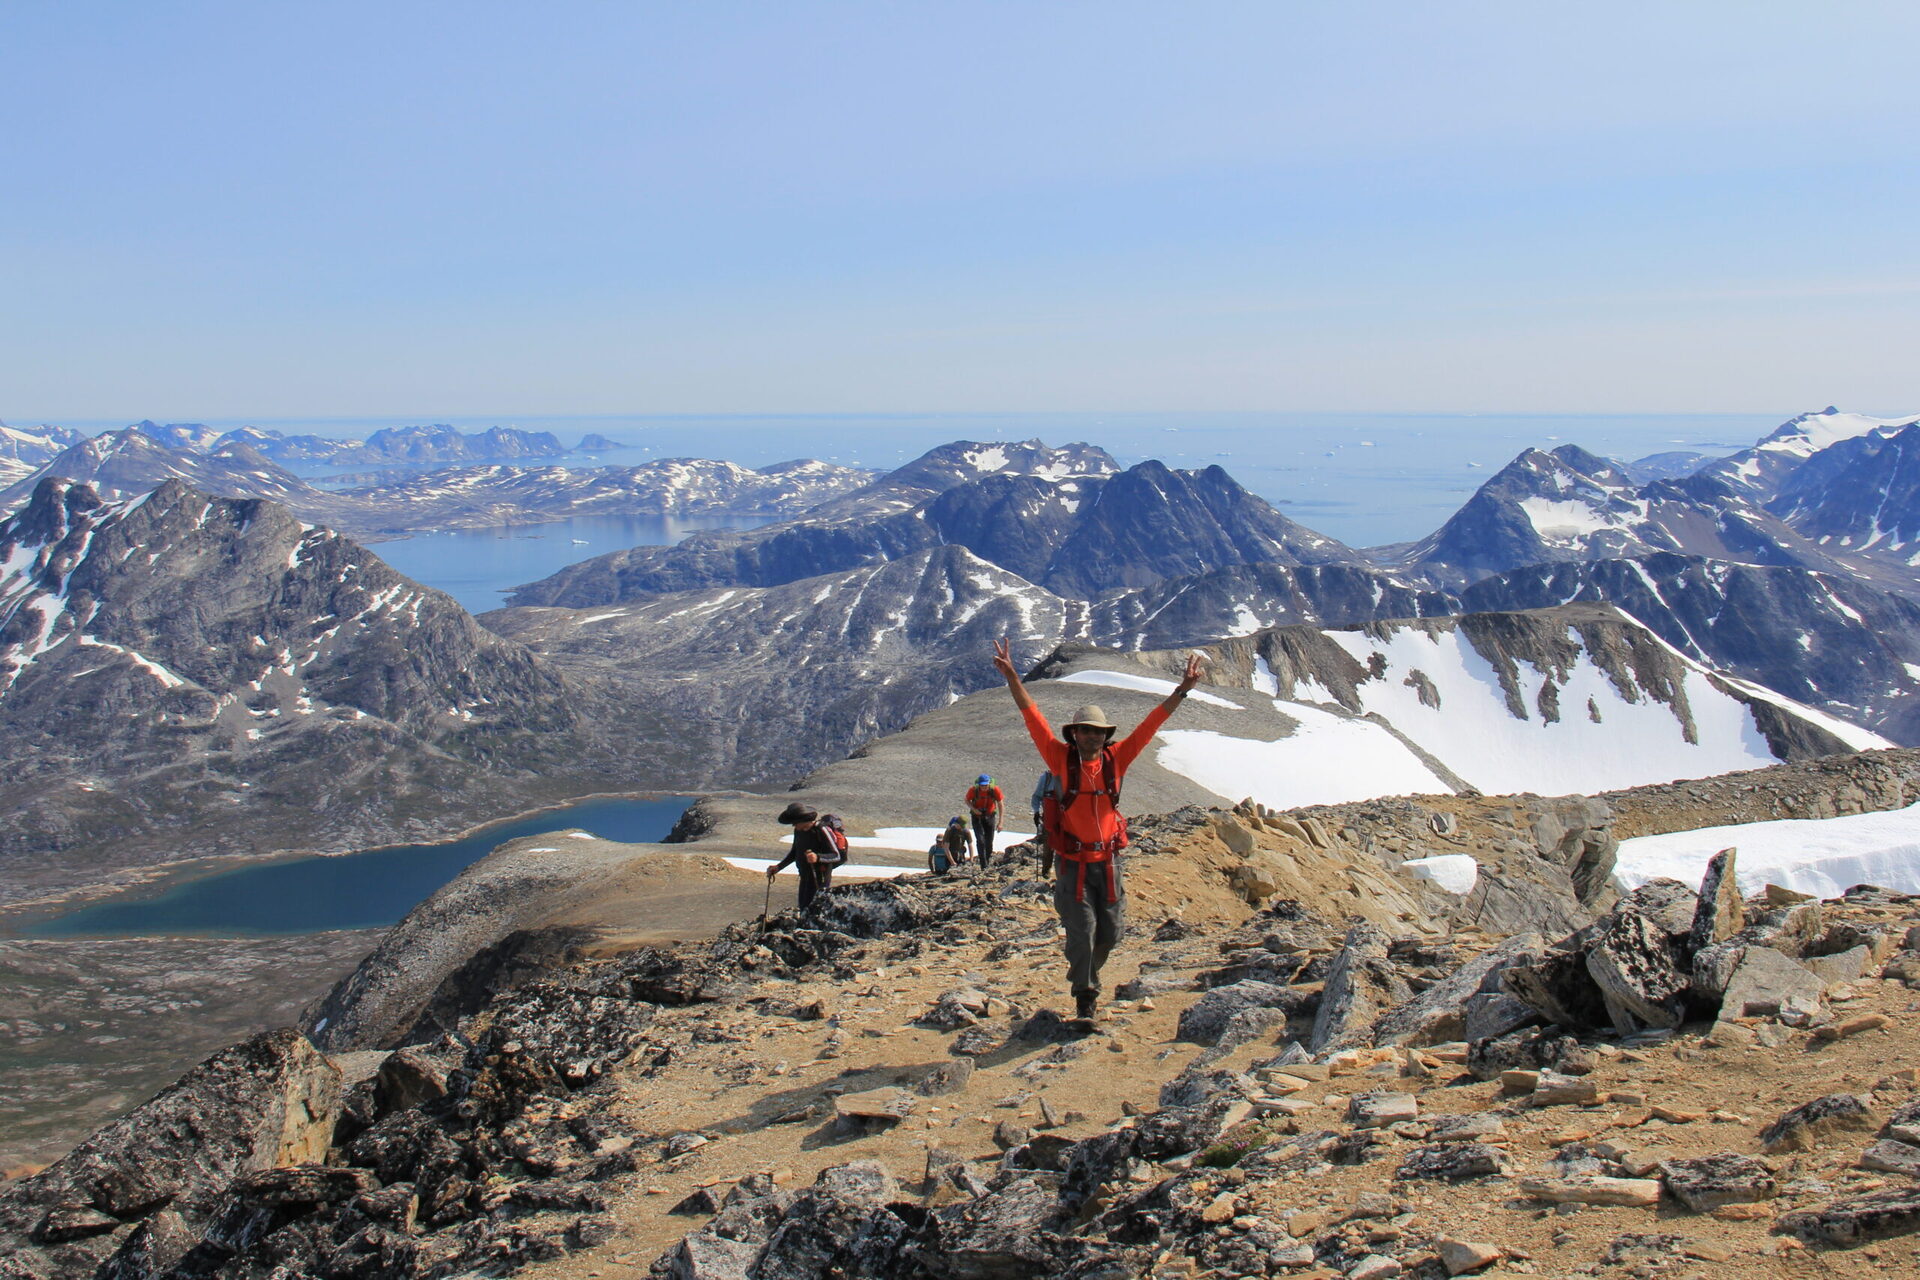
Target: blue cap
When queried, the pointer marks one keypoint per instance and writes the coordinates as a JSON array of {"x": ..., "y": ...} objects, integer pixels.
[{"x": 983, "y": 779}]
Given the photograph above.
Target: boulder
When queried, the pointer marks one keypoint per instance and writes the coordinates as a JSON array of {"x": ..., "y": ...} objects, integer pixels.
[
  {"x": 1706, "y": 1183},
  {"x": 1206, "y": 1019},
  {"x": 1556, "y": 984},
  {"x": 1455, "y": 1161},
  {"x": 1801, "y": 1128},
  {"x": 1441, "y": 1013},
  {"x": 1720, "y": 913},
  {"x": 269, "y": 1101},
  {"x": 1764, "y": 982},
  {"x": 1890, "y": 1155},
  {"x": 1377, "y": 1110},
  {"x": 1668, "y": 903},
  {"x": 1857, "y": 1220},
  {"x": 1842, "y": 966},
  {"x": 1362, "y": 984},
  {"x": 1632, "y": 963}
]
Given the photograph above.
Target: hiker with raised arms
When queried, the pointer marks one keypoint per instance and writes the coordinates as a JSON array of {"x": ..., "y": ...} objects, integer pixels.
[{"x": 1085, "y": 830}]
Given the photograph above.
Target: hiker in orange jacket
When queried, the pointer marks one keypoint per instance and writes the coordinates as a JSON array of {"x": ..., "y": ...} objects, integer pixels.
[
  {"x": 983, "y": 806},
  {"x": 1088, "y": 829}
]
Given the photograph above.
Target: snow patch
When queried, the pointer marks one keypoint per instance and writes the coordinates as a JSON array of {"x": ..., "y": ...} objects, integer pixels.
[
  {"x": 1822, "y": 856},
  {"x": 1144, "y": 684},
  {"x": 1329, "y": 759},
  {"x": 1456, "y": 873}
]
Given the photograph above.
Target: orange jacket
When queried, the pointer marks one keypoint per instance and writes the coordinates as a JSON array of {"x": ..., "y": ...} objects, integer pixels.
[
  {"x": 984, "y": 799},
  {"x": 1092, "y": 818}
]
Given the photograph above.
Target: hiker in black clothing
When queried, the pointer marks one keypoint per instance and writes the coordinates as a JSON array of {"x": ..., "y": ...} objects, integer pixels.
[{"x": 812, "y": 854}]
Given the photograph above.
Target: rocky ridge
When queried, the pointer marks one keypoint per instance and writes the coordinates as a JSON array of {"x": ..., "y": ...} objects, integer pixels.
[{"x": 882, "y": 1089}]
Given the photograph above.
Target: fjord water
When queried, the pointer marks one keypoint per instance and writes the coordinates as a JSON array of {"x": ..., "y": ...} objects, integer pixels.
[
  {"x": 476, "y": 566},
  {"x": 363, "y": 890}
]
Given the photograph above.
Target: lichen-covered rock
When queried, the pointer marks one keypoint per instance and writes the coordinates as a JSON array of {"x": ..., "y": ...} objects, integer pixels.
[
  {"x": 1801, "y": 1128},
  {"x": 1857, "y": 1220},
  {"x": 1206, "y": 1019},
  {"x": 1454, "y": 1161},
  {"x": 1720, "y": 913},
  {"x": 1442, "y": 1012},
  {"x": 1362, "y": 984},
  {"x": 1706, "y": 1183},
  {"x": 268, "y": 1101},
  {"x": 1632, "y": 962}
]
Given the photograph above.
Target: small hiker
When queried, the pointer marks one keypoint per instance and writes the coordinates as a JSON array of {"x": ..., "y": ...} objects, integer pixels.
[
  {"x": 1049, "y": 785},
  {"x": 1087, "y": 831},
  {"x": 939, "y": 861},
  {"x": 983, "y": 803},
  {"x": 957, "y": 839},
  {"x": 815, "y": 852}
]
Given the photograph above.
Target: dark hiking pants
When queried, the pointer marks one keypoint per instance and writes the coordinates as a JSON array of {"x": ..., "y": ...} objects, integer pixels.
[
  {"x": 1093, "y": 924},
  {"x": 814, "y": 881},
  {"x": 983, "y": 825}
]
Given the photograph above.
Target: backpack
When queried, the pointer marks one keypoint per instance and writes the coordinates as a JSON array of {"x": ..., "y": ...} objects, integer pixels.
[
  {"x": 987, "y": 799},
  {"x": 937, "y": 860},
  {"x": 1071, "y": 848},
  {"x": 836, "y": 838}
]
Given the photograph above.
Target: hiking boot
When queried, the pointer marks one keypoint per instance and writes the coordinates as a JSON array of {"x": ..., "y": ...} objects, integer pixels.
[{"x": 1085, "y": 1003}]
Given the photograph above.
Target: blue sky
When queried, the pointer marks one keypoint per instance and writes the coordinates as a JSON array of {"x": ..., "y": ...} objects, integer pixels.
[{"x": 222, "y": 210}]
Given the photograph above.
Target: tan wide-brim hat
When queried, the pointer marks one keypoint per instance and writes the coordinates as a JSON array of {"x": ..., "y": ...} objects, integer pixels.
[{"x": 1091, "y": 716}]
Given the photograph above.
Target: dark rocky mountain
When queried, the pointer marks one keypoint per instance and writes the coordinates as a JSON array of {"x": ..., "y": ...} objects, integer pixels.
[
  {"x": 441, "y": 443},
  {"x": 184, "y": 676},
  {"x": 1077, "y": 536},
  {"x": 1827, "y": 640},
  {"x": 1861, "y": 494}
]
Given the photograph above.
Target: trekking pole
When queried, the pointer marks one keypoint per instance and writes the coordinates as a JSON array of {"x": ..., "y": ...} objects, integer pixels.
[{"x": 768, "y": 904}]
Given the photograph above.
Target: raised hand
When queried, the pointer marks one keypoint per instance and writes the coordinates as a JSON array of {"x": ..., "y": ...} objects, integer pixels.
[
  {"x": 1003, "y": 659},
  {"x": 1196, "y": 665}
]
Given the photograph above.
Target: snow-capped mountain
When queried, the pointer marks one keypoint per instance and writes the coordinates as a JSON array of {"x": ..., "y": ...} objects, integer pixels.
[
  {"x": 183, "y": 675},
  {"x": 1572, "y": 700},
  {"x": 130, "y": 461},
  {"x": 498, "y": 495},
  {"x": 1759, "y": 472},
  {"x": 1570, "y": 505},
  {"x": 1078, "y": 535},
  {"x": 24, "y": 450},
  {"x": 1861, "y": 494}
]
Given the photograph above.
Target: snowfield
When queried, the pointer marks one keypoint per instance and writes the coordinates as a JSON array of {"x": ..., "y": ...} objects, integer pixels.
[
  {"x": 1330, "y": 759},
  {"x": 1821, "y": 856}
]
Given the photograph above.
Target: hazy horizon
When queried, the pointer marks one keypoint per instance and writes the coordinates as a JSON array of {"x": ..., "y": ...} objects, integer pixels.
[{"x": 422, "y": 209}]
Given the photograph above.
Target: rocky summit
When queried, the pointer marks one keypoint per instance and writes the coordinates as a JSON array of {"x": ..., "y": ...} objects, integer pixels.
[{"x": 1312, "y": 1063}]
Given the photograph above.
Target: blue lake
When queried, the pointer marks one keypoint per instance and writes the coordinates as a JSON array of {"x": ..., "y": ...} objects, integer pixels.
[{"x": 363, "y": 890}]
